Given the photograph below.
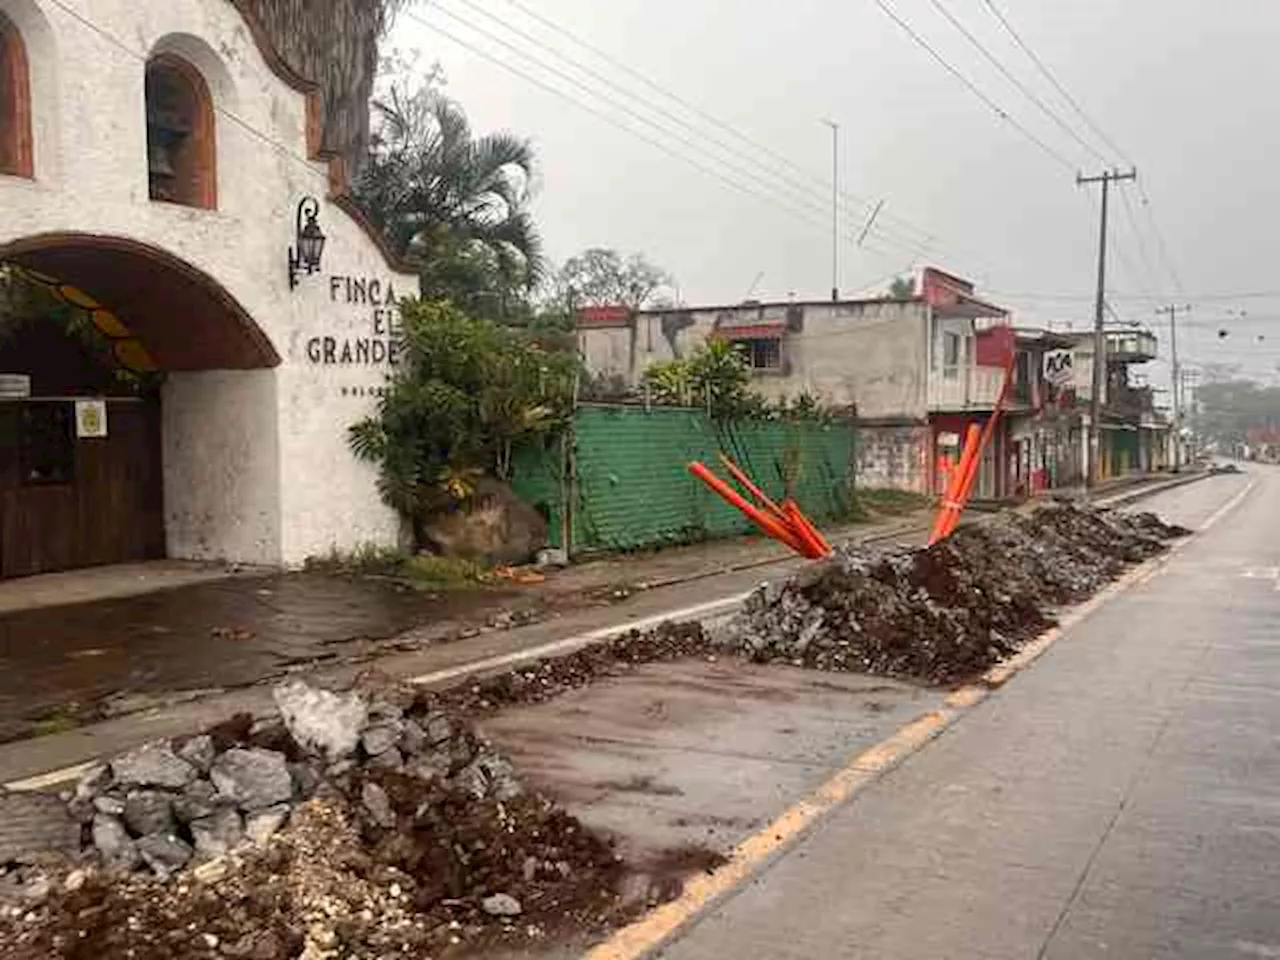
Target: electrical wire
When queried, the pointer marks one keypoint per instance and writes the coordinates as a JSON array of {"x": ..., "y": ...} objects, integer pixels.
[
  {"x": 613, "y": 121},
  {"x": 857, "y": 200},
  {"x": 803, "y": 193},
  {"x": 973, "y": 88},
  {"x": 1012, "y": 78},
  {"x": 1062, "y": 90}
]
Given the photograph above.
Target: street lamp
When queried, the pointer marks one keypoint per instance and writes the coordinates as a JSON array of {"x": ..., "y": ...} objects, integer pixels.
[{"x": 305, "y": 256}]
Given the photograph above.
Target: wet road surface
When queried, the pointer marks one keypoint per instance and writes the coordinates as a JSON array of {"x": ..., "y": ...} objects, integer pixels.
[
  {"x": 1121, "y": 798},
  {"x": 54, "y": 661}
]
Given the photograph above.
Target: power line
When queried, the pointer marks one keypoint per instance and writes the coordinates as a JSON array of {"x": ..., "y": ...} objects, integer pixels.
[
  {"x": 1009, "y": 75},
  {"x": 803, "y": 193},
  {"x": 613, "y": 121},
  {"x": 706, "y": 116},
  {"x": 1048, "y": 75},
  {"x": 972, "y": 88}
]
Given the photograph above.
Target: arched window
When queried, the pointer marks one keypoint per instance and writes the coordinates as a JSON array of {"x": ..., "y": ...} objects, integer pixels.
[
  {"x": 15, "y": 103},
  {"x": 181, "y": 154}
]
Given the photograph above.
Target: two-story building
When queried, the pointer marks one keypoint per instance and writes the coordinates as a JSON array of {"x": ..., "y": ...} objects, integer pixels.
[
  {"x": 912, "y": 367},
  {"x": 168, "y": 175}
]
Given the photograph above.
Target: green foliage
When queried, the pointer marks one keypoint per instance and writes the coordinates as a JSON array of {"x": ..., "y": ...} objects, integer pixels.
[
  {"x": 453, "y": 203},
  {"x": 714, "y": 375},
  {"x": 603, "y": 277},
  {"x": 902, "y": 288},
  {"x": 368, "y": 559},
  {"x": 466, "y": 391},
  {"x": 428, "y": 570}
]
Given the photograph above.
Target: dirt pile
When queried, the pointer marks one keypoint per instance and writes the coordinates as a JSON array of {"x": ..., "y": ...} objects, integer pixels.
[
  {"x": 358, "y": 825},
  {"x": 944, "y": 614}
]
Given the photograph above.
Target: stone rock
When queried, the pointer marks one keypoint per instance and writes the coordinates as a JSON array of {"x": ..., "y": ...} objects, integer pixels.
[
  {"x": 494, "y": 526},
  {"x": 111, "y": 806},
  {"x": 32, "y": 824},
  {"x": 218, "y": 835},
  {"x": 439, "y": 729},
  {"x": 320, "y": 721},
  {"x": 153, "y": 765},
  {"x": 164, "y": 853},
  {"x": 432, "y": 766},
  {"x": 147, "y": 812},
  {"x": 381, "y": 738},
  {"x": 93, "y": 781},
  {"x": 253, "y": 779},
  {"x": 113, "y": 842},
  {"x": 501, "y": 905},
  {"x": 197, "y": 801},
  {"x": 413, "y": 739},
  {"x": 391, "y": 759},
  {"x": 262, "y": 825},
  {"x": 306, "y": 779},
  {"x": 378, "y": 805},
  {"x": 501, "y": 775},
  {"x": 199, "y": 752}
]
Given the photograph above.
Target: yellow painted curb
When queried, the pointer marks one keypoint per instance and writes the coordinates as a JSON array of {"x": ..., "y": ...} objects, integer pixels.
[{"x": 658, "y": 928}]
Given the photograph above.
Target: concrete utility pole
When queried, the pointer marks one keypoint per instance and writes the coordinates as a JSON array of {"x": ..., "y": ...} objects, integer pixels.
[
  {"x": 835, "y": 209},
  {"x": 1173, "y": 310},
  {"x": 1099, "y": 340}
]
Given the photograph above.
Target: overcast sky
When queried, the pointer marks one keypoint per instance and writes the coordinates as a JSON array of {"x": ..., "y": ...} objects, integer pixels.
[{"x": 1185, "y": 88}]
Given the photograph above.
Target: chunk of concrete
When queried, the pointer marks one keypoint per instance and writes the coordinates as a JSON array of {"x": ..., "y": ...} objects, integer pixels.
[
  {"x": 149, "y": 811},
  {"x": 200, "y": 752},
  {"x": 261, "y": 825},
  {"x": 218, "y": 835},
  {"x": 253, "y": 779},
  {"x": 322, "y": 722},
  {"x": 153, "y": 765},
  {"x": 113, "y": 842},
  {"x": 164, "y": 853},
  {"x": 501, "y": 905}
]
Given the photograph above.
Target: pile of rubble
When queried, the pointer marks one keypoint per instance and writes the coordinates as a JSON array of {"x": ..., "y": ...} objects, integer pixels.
[
  {"x": 947, "y": 613},
  {"x": 352, "y": 826}
]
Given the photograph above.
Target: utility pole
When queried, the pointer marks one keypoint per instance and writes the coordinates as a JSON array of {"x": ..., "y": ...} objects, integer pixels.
[
  {"x": 835, "y": 209},
  {"x": 1099, "y": 340},
  {"x": 1176, "y": 374}
]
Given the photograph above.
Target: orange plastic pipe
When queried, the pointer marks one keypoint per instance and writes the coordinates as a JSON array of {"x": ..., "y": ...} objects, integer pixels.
[
  {"x": 770, "y": 526},
  {"x": 988, "y": 431},
  {"x": 745, "y": 481},
  {"x": 806, "y": 530},
  {"x": 951, "y": 498}
]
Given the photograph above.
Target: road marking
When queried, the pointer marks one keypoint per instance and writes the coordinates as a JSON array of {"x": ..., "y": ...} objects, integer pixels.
[{"x": 657, "y": 929}]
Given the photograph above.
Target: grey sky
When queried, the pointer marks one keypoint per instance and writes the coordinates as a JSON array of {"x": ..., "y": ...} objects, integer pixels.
[{"x": 1185, "y": 87}]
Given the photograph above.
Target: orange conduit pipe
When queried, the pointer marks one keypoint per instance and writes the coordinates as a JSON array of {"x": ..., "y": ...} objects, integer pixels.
[
  {"x": 955, "y": 482},
  {"x": 745, "y": 482},
  {"x": 769, "y": 525}
]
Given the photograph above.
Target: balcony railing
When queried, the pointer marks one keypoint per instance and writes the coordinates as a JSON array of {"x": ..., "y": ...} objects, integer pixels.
[{"x": 965, "y": 388}]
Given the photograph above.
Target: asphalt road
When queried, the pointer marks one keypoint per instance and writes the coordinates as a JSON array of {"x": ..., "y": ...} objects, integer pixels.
[{"x": 1120, "y": 798}]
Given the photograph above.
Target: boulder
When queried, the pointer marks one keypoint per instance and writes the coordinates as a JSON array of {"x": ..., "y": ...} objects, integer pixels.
[
  {"x": 378, "y": 805},
  {"x": 381, "y": 738},
  {"x": 253, "y": 779},
  {"x": 200, "y": 752},
  {"x": 164, "y": 853},
  {"x": 493, "y": 526},
  {"x": 218, "y": 835},
  {"x": 197, "y": 801},
  {"x": 261, "y": 825},
  {"x": 149, "y": 811},
  {"x": 153, "y": 765},
  {"x": 501, "y": 905},
  {"x": 321, "y": 722},
  {"x": 113, "y": 842}
]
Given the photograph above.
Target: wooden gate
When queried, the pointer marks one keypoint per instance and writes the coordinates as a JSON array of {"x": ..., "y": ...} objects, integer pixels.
[{"x": 68, "y": 502}]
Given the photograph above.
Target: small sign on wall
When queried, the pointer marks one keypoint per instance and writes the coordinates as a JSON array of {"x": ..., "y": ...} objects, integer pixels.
[{"x": 91, "y": 418}]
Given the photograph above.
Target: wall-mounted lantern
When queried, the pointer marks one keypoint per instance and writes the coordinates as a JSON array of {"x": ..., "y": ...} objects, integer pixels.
[{"x": 305, "y": 256}]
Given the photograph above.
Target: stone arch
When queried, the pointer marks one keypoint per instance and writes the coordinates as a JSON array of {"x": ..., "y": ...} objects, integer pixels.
[
  {"x": 183, "y": 317},
  {"x": 182, "y": 150}
]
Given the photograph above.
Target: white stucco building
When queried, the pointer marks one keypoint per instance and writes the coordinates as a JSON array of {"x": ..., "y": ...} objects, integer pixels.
[{"x": 153, "y": 156}]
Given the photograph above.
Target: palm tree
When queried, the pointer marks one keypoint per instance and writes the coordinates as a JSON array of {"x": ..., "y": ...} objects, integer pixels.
[{"x": 452, "y": 203}]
